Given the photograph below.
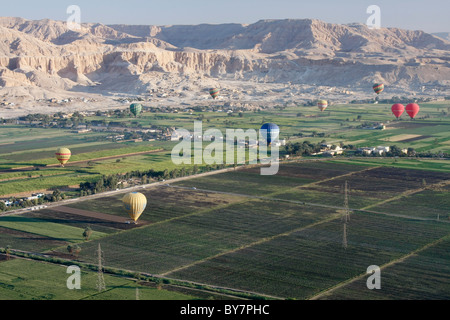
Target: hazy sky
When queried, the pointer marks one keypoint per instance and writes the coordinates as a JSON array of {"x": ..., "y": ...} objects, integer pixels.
[{"x": 426, "y": 15}]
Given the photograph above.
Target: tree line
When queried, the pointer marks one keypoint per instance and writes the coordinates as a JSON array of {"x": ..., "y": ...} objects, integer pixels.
[{"x": 139, "y": 177}]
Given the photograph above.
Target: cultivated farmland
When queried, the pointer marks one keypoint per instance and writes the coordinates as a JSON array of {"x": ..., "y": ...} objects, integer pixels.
[{"x": 273, "y": 237}]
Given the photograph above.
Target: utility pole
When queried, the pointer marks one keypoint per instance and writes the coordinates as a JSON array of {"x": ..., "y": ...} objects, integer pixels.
[{"x": 100, "y": 280}]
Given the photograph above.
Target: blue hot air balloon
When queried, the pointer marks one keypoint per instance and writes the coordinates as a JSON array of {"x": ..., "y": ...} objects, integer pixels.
[{"x": 270, "y": 132}]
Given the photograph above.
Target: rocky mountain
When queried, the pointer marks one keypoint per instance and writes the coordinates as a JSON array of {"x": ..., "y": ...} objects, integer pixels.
[
  {"x": 443, "y": 35},
  {"x": 184, "y": 60}
]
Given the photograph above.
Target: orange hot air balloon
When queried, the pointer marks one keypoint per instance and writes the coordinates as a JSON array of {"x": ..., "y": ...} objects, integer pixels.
[
  {"x": 63, "y": 155},
  {"x": 397, "y": 109},
  {"x": 412, "y": 109}
]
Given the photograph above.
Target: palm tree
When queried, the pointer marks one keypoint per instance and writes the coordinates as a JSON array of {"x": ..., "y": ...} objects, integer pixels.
[{"x": 8, "y": 251}]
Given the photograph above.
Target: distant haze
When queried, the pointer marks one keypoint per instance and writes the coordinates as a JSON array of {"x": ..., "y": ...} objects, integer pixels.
[{"x": 430, "y": 16}]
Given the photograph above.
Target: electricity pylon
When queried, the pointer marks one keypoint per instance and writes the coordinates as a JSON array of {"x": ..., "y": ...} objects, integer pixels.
[
  {"x": 344, "y": 238},
  {"x": 346, "y": 217},
  {"x": 347, "y": 210},
  {"x": 100, "y": 280}
]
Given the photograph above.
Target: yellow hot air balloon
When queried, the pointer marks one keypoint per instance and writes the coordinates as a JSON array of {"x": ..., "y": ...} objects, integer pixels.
[
  {"x": 63, "y": 155},
  {"x": 134, "y": 204}
]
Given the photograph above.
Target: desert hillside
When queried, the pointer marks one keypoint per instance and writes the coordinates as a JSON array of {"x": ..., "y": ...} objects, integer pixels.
[{"x": 268, "y": 62}]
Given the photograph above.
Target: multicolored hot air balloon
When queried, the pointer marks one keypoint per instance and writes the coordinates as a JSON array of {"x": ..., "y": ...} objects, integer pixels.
[
  {"x": 412, "y": 109},
  {"x": 214, "y": 92},
  {"x": 270, "y": 132},
  {"x": 322, "y": 104},
  {"x": 63, "y": 155},
  {"x": 378, "y": 88},
  {"x": 134, "y": 204},
  {"x": 397, "y": 109},
  {"x": 136, "y": 108}
]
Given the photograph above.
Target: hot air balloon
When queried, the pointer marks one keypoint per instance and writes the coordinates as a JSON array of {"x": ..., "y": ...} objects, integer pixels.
[
  {"x": 322, "y": 104},
  {"x": 412, "y": 109},
  {"x": 214, "y": 92},
  {"x": 378, "y": 88},
  {"x": 63, "y": 155},
  {"x": 136, "y": 108},
  {"x": 134, "y": 204},
  {"x": 270, "y": 132},
  {"x": 398, "y": 109}
]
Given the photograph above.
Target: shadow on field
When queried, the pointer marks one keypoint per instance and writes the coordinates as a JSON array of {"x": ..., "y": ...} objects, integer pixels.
[
  {"x": 26, "y": 167},
  {"x": 18, "y": 219}
]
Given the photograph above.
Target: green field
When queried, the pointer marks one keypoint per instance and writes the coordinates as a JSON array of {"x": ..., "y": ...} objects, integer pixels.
[
  {"x": 45, "y": 228},
  {"x": 277, "y": 237},
  {"x": 22, "y": 146},
  {"x": 266, "y": 237},
  {"x": 32, "y": 280},
  {"x": 422, "y": 276},
  {"x": 304, "y": 263}
]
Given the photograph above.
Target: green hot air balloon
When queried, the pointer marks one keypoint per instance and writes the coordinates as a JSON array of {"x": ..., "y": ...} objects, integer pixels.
[
  {"x": 214, "y": 92},
  {"x": 136, "y": 108},
  {"x": 378, "y": 88}
]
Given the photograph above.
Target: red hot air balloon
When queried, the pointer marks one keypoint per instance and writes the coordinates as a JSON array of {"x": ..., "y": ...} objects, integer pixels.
[
  {"x": 398, "y": 109},
  {"x": 412, "y": 109}
]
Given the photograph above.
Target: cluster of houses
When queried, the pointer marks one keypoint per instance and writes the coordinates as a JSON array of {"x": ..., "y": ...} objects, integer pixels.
[
  {"x": 374, "y": 126},
  {"x": 380, "y": 150},
  {"x": 34, "y": 196},
  {"x": 249, "y": 143},
  {"x": 328, "y": 150}
]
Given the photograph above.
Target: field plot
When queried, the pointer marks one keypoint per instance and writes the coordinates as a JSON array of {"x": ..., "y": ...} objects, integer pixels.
[
  {"x": 84, "y": 218},
  {"x": 304, "y": 263},
  {"x": 32, "y": 280},
  {"x": 315, "y": 195},
  {"x": 431, "y": 204},
  {"x": 163, "y": 203},
  {"x": 276, "y": 236},
  {"x": 422, "y": 135},
  {"x": 44, "y": 228},
  {"x": 422, "y": 276},
  {"x": 189, "y": 238},
  {"x": 383, "y": 182},
  {"x": 289, "y": 175},
  {"x": 27, "y": 241},
  {"x": 403, "y": 137}
]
